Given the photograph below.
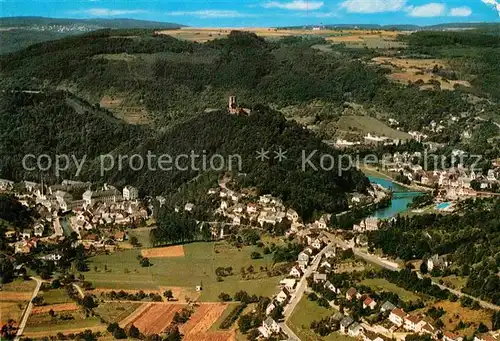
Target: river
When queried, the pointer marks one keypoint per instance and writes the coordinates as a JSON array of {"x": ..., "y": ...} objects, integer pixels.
[{"x": 400, "y": 199}]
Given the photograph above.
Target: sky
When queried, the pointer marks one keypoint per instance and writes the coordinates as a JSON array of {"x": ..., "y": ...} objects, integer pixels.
[{"x": 264, "y": 13}]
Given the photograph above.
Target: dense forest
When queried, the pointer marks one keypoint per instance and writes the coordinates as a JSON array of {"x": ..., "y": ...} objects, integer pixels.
[
  {"x": 470, "y": 241},
  {"x": 56, "y": 123},
  {"x": 59, "y": 123},
  {"x": 174, "y": 80}
]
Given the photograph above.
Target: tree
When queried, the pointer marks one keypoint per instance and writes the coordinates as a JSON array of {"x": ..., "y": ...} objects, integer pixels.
[
  {"x": 52, "y": 313},
  {"x": 88, "y": 302},
  {"x": 255, "y": 255},
  {"x": 134, "y": 332},
  {"x": 312, "y": 296},
  {"x": 134, "y": 241},
  {"x": 145, "y": 262},
  {"x": 38, "y": 300},
  {"x": 168, "y": 294},
  {"x": 423, "y": 267},
  {"x": 224, "y": 297},
  {"x": 245, "y": 323},
  {"x": 119, "y": 333}
]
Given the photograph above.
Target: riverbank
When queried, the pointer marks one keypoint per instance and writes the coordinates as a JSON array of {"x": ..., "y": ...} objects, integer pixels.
[{"x": 374, "y": 172}]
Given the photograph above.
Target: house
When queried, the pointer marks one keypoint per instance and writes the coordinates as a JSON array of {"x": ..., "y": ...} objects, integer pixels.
[
  {"x": 449, "y": 336},
  {"x": 355, "y": 329},
  {"x": 326, "y": 265},
  {"x": 188, "y": 207},
  {"x": 213, "y": 190},
  {"x": 369, "y": 303},
  {"x": 6, "y": 184},
  {"x": 436, "y": 262},
  {"x": 371, "y": 336},
  {"x": 108, "y": 194},
  {"x": 38, "y": 230},
  {"x": 288, "y": 283},
  {"x": 292, "y": 215},
  {"x": 397, "y": 316},
  {"x": 270, "y": 308},
  {"x": 345, "y": 323},
  {"x": 319, "y": 277},
  {"x": 130, "y": 193},
  {"x": 269, "y": 327},
  {"x": 253, "y": 207},
  {"x": 317, "y": 244},
  {"x": 304, "y": 256},
  {"x": 413, "y": 323},
  {"x": 120, "y": 236},
  {"x": 26, "y": 233},
  {"x": 387, "y": 306},
  {"x": 351, "y": 294},
  {"x": 332, "y": 287},
  {"x": 296, "y": 272},
  {"x": 283, "y": 296},
  {"x": 429, "y": 328},
  {"x": 485, "y": 337}
]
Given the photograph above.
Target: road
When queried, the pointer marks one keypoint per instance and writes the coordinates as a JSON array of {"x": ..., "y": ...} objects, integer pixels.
[
  {"x": 79, "y": 289},
  {"x": 27, "y": 312},
  {"x": 394, "y": 267},
  {"x": 299, "y": 292}
]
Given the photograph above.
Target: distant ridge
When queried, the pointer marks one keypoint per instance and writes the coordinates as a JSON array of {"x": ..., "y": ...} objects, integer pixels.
[
  {"x": 24, "y": 22},
  {"x": 401, "y": 27},
  {"x": 20, "y": 32}
]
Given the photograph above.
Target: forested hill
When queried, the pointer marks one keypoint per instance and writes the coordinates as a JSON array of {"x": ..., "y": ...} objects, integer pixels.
[
  {"x": 227, "y": 135},
  {"x": 172, "y": 80},
  {"x": 21, "y": 32},
  {"x": 60, "y": 123},
  {"x": 56, "y": 123}
]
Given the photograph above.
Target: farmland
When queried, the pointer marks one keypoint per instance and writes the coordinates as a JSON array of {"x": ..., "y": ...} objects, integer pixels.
[
  {"x": 351, "y": 38},
  {"x": 197, "y": 267},
  {"x": 404, "y": 70},
  {"x": 168, "y": 251},
  {"x": 153, "y": 318}
]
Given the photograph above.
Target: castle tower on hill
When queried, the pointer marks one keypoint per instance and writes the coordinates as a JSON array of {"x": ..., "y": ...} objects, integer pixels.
[{"x": 234, "y": 109}]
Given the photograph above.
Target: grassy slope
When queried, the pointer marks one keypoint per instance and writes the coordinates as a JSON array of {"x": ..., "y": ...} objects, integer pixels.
[
  {"x": 380, "y": 284},
  {"x": 366, "y": 124},
  {"x": 198, "y": 266},
  {"x": 306, "y": 312}
]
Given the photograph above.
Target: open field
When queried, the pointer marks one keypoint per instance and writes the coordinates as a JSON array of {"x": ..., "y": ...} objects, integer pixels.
[
  {"x": 66, "y": 330},
  {"x": 367, "y": 124},
  {"x": 15, "y": 296},
  {"x": 380, "y": 284},
  {"x": 456, "y": 313},
  {"x": 11, "y": 310},
  {"x": 45, "y": 323},
  {"x": 196, "y": 267},
  {"x": 230, "y": 308},
  {"x": 55, "y": 296},
  {"x": 19, "y": 285},
  {"x": 142, "y": 235},
  {"x": 55, "y": 307},
  {"x": 404, "y": 70},
  {"x": 307, "y": 312},
  {"x": 168, "y": 251},
  {"x": 155, "y": 318},
  {"x": 202, "y": 35}
]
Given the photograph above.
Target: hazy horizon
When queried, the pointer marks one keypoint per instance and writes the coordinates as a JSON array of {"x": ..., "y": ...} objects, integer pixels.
[{"x": 265, "y": 13}]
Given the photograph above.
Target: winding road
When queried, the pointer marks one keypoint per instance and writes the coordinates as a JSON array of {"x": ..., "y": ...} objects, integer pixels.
[
  {"x": 27, "y": 311},
  {"x": 394, "y": 267}
]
